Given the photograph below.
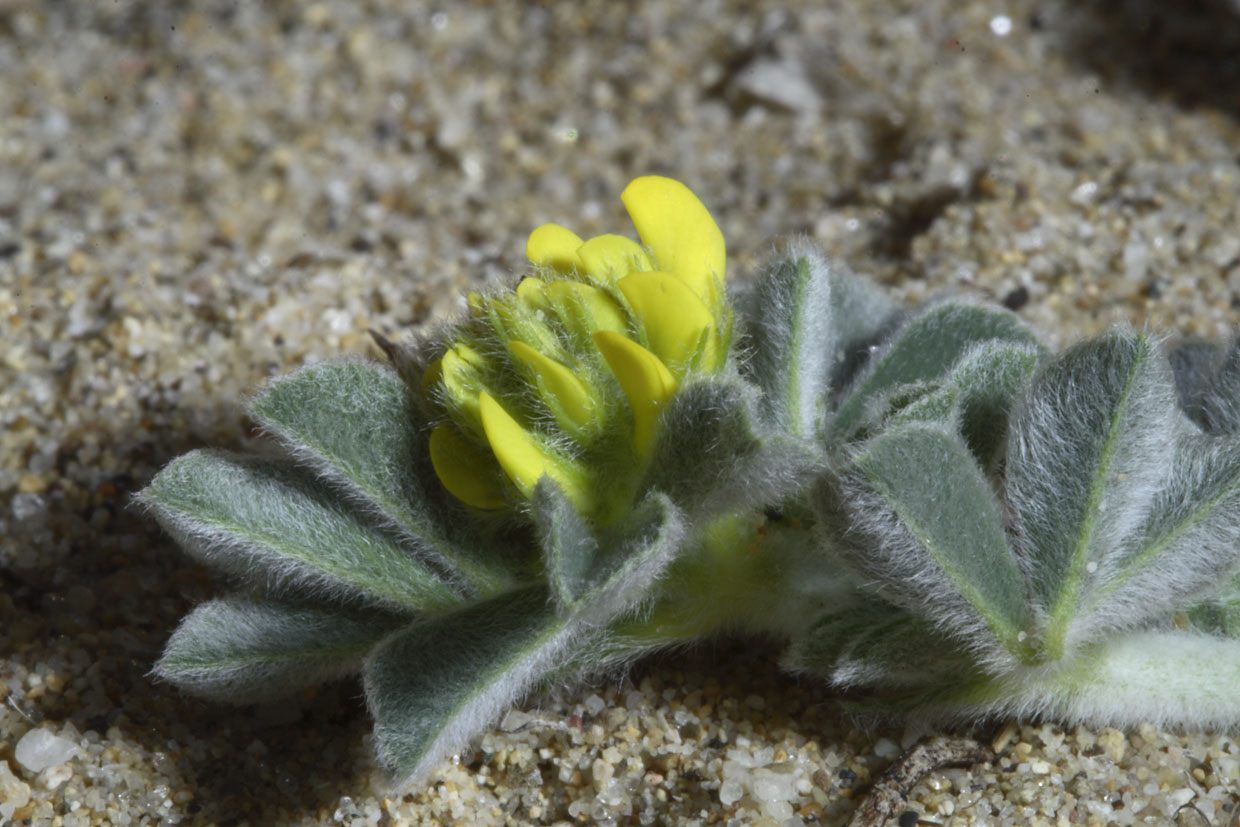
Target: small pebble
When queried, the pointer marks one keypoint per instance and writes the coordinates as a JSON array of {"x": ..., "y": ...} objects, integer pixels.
[
  {"x": 39, "y": 749},
  {"x": 53, "y": 777},
  {"x": 14, "y": 793}
]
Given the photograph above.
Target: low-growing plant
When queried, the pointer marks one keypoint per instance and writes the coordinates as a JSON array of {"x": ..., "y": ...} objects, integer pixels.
[{"x": 621, "y": 454}]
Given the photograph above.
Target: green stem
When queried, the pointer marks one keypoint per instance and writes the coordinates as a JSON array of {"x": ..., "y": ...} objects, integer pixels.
[{"x": 739, "y": 576}]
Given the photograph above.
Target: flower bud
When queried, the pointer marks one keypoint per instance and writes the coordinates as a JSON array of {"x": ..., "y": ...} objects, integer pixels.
[
  {"x": 568, "y": 398},
  {"x": 645, "y": 380},
  {"x": 524, "y": 459}
]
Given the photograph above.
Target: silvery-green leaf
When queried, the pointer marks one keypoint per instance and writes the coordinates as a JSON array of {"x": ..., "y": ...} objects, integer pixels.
[
  {"x": 1218, "y": 403},
  {"x": 809, "y": 323},
  {"x": 1188, "y": 545},
  {"x": 1193, "y": 363},
  {"x": 1220, "y": 614},
  {"x": 861, "y": 313},
  {"x": 1216, "y": 617},
  {"x": 991, "y": 378},
  {"x": 867, "y": 643},
  {"x": 977, "y": 396},
  {"x": 711, "y": 454},
  {"x": 1087, "y": 455},
  {"x": 924, "y": 350},
  {"x": 922, "y": 402},
  {"x": 355, "y": 424},
  {"x": 436, "y": 683},
  {"x": 265, "y": 516},
  {"x": 602, "y": 572},
  {"x": 917, "y": 519},
  {"x": 1165, "y": 678},
  {"x": 243, "y": 650}
]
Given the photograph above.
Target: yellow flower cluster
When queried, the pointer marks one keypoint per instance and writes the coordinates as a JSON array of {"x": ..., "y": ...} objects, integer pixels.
[{"x": 528, "y": 384}]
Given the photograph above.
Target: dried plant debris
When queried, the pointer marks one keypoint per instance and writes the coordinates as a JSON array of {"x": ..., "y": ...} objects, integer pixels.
[
  {"x": 890, "y": 793},
  {"x": 619, "y": 455}
]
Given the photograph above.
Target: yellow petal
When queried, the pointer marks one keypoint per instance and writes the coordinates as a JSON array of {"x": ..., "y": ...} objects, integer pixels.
[
  {"x": 460, "y": 367},
  {"x": 432, "y": 374},
  {"x": 678, "y": 229},
  {"x": 569, "y": 394},
  {"x": 522, "y": 457},
  {"x": 554, "y": 246},
  {"x": 674, "y": 316},
  {"x": 584, "y": 307},
  {"x": 513, "y": 318},
  {"x": 608, "y": 257},
  {"x": 532, "y": 291},
  {"x": 468, "y": 472},
  {"x": 645, "y": 380}
]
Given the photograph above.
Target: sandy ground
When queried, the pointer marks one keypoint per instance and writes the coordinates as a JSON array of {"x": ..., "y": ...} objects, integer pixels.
[{"x": 194, "y": 197}]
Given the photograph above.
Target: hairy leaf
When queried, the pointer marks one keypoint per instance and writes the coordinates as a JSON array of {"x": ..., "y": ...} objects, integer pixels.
[
  {"x": 1193, "y": 363},
  {"x": 355, "y": 424},
  {"x": 1176, "y": 678},
  {"x": 243, "y": 650},
  {"x": 1220, "y": 614},
  {"x": 1188, "y": 545},
  {"x": 712, "y": 455},
  {"x": 1218, "y": 404},
  {"x": 977, "y": 396},
  {"x": 243, "y": 514},
  {"x": 434, "y": 684},
  {"x": 809, "y": 323},
  {"x": 870, "y": 644},
  {"x": 1086, "y": 457},
  {"x": 600, "y": 573},
  {"x": 925, "y": 349},
  {"x": 921, "y": 525}
]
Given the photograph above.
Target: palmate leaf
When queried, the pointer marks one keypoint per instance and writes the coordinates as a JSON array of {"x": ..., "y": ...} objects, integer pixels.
[
  {"x": 1188, "y": 545},
  {"x": 976, "y": 397},
  {"x": 865, "y": 642},
  {"x": 246, "y": 514},
  {"x": 809, "y": 324},
  {"x": 436, "y": 683},
  {"x": 243, "y": 650},
  {"x": 1127, "y": 517},
  {"x": 1087, "y": 455},
  {"x": 601, "y": 573},
  {"x": 917, "y": 520},
  {"x": 713, "y": 455},
  {"x": 1166, "y": 678},
  {"x": 924, "y": 350},
  {"x": 355, "y": 424}
]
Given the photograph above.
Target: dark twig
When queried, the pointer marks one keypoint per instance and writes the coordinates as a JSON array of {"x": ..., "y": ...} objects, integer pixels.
[{"x": 888, "y": 797}]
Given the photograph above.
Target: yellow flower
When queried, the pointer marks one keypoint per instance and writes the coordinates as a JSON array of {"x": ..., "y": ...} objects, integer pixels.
[
  {"x": 524, "y": 459},
  {"x": 680, "y": 233},
  {"x": 532, "y": 387},
  {"x": 465, "y": 469},
  {"x": 677, "y": 322},
  {"x": 645, "y": 380},
  {"x": 570, "y": 399},
  {"x": 582, "y": 308}
]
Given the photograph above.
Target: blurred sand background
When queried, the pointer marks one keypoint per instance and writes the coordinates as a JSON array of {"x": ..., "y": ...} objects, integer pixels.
[{"x": 197, "y": 196}]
